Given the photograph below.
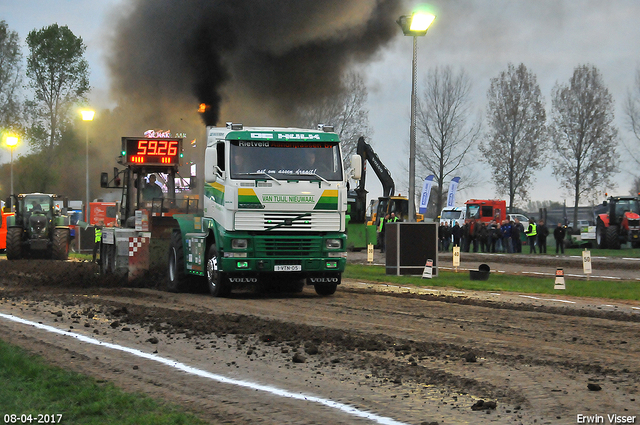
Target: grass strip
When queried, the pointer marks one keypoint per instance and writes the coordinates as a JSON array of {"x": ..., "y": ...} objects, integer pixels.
[
  {"x": 500, "y": 282},
  {"x": 31, "y": 387}
]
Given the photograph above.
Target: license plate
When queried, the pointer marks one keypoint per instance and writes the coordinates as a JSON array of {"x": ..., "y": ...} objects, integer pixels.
[{"x": 288, "y": 268}]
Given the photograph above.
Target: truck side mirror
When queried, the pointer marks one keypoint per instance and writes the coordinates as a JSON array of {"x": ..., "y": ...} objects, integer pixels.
[
  {"x": 104, "y": 179},
  {"x": 356, "y": 165},
  {"x": 210, "y": 164}
]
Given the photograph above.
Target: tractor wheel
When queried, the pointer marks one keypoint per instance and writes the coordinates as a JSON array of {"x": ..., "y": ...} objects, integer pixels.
[
  {"x": 60, "y": 248},
  {"x": 218, "y": 282},
  {"x": 601, "y": 235},
  {"x": 14, "y": 243},
  {"x": 613, "y": 237},
  {"x": 179, "y": 281}
]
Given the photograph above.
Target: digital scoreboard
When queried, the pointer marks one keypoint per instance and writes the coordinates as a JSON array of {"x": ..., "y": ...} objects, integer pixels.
[{"x": 147, "y": 151}]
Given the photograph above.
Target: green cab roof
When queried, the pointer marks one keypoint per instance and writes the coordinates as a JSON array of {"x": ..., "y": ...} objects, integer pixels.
[{"x": 273, "y": 134}]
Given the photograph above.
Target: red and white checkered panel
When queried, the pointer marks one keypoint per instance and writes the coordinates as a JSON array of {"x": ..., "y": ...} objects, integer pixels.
[
  {"x": 135, "y": 244},
  {"x": 138, "y": 256}
]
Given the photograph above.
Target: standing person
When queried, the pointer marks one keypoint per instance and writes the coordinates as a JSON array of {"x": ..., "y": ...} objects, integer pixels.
[
  {"x": 483, "y": 237},
  {"x": 456, "y": 232},
  {"x": 559, "y": 234},
  {"x": 97, "y": 237},
  {"x": 506, "y": 236},
  {"x": 543, "y": 232},
  {"x": 447, "y": 237},
  {"x": 441, "y": 236},
  {"x": 381, "y": 232},
  {"x": 531, "y": 233},
  {"x": 516, "y": 230},
  {"x": 465, "y": 238}
]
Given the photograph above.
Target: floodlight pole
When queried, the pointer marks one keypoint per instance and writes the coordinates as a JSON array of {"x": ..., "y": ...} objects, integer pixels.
[{"x": 412, "y": 134}]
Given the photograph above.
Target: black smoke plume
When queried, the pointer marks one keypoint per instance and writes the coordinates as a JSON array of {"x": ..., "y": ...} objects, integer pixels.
[{"x": 265, "y": 56}]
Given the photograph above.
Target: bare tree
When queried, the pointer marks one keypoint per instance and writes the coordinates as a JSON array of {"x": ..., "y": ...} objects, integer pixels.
[
  {"x": 632, "y": 109},
  {"x": 515, "y": 142},
  {"x": 10, "y": 78},
  {"x": 442, "y": 118},
  {"x": 346, "y": 111},
  {"x": 635, "y": 188},
  {"x": 584, "y": 137}
]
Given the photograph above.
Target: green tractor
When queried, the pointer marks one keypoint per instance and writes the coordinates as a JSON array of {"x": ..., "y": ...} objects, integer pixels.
[{"x": 39, "y": 228}]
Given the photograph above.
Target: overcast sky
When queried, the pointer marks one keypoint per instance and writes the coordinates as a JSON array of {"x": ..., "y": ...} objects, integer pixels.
[{"x": 550, "y": 37}]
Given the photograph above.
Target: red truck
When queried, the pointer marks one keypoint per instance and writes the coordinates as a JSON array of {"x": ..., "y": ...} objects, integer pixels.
[
  {"x": 485, "y": 211},
  {"x": 105, "y": 212}
]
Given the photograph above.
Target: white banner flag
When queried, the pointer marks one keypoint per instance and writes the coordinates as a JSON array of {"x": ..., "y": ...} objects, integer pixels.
[
  {"x": 453, "y": 186},
  {"x": 426, "y": 192}
]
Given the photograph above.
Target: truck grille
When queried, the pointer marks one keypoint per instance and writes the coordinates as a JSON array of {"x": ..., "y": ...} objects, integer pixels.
[
  {"x": 287, "y": 247},
  {"x": 314, "y": 221}
]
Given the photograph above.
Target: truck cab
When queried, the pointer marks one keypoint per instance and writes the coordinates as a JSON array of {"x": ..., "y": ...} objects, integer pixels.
[
  {"x": 274, "y": 208},
  {"x": 485, "y": 211}
]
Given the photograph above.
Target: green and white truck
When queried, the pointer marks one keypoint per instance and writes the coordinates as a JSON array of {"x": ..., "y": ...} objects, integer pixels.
[{"x": 274, "y": 208}]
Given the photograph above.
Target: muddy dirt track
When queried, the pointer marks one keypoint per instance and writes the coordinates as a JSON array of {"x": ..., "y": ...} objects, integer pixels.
[{"x": 360, "y": 356}]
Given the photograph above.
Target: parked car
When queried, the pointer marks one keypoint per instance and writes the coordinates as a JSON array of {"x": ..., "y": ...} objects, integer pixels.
[
  {"x": 581, "y": 224},
  {"x": 521, "y": 217}
]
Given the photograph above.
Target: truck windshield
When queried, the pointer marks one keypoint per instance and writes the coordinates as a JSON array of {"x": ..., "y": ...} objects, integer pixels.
[
  {"x": 285, "y": 160},
  {"x": 451, "y": 215},
  {"x": 473, "y": 211}
]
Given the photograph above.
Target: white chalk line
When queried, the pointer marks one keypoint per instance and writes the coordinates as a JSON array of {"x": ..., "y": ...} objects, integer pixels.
[{"x": 203, "y": 373}]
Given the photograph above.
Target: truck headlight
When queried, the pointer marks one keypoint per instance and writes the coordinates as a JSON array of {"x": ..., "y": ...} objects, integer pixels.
[
  {"x": 333, "y": 243},
  {"x": 238, "y": 244}
]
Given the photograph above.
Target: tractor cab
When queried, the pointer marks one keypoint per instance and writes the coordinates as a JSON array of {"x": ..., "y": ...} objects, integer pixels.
[{"x": 619, "y": 223}]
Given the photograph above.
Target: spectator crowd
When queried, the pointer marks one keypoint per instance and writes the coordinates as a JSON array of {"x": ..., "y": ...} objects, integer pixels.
[{"x": 495, "y": 236}]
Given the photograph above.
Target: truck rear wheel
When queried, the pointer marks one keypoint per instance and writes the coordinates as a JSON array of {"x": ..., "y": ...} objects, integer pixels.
[
  {"x": 60, "y": 248},
  {"x": 14, "y": 243},
  {"x": 218, "y": 282},
  {"x": 613, "y": 237},
  {"x": 179, "y": 281}
]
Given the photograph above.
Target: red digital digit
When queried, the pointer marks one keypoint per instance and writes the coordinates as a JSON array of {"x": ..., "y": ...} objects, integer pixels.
[
  {"x": 162, "y": 147},
  {"x": 153, "y": 147},
  {"x": 173, "y": 148},
  {"x": 142, "y": 147}
]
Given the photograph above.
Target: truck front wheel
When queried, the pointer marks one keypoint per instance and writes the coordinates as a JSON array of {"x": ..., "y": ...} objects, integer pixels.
[
  {"x": 218, "y": 282},
  {"x": 326, "y": 286}
]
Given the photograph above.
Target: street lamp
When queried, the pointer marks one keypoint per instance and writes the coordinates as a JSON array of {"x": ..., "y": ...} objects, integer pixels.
[
  {"x": 87, "y": 115},
  {"x": 12, "y": 141},
  {"x": 414, "y": 25}
]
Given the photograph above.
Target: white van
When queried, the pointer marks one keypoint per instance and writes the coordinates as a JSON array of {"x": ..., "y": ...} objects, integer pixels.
[{"x": 452, "y": 215}]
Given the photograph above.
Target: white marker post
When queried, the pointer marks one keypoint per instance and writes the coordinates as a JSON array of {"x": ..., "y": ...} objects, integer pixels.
[
  {"x": 456, "y": 258},
  {"x": 586, "y": 263},
  {"x": 428, "y": 270},
  {"x": 559, "y": 279},
  {"x": 370, "y": 253}
]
